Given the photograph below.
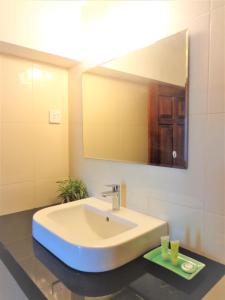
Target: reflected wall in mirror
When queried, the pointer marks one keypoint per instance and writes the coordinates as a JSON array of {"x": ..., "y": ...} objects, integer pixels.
[{"x": 135, "y": 108}]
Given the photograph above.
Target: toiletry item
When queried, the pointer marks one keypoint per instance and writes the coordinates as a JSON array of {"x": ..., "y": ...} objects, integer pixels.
[
  {"x": 174, "y": 251},
  {"x": 188, "y": 267},
  {"x": 165, "y": 246}
]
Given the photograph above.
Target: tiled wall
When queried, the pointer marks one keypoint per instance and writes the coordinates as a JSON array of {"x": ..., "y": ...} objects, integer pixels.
[
  {"x": 33, "y": 153},
  {"x": 192, "y": 201}
]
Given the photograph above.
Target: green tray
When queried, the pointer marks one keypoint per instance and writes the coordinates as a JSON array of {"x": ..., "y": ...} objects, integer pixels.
[{"x": 155, "y": 256}]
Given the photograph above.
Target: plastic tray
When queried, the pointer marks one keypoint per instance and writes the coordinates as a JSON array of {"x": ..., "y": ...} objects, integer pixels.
[{"x": 155, "y": 257}]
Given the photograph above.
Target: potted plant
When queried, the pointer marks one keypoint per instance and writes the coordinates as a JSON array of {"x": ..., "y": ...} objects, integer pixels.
[{"x": 71, "y": 190}]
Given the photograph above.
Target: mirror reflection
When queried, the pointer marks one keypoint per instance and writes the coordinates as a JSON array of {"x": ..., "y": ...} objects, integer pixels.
[{"x": 135, "y": 106}]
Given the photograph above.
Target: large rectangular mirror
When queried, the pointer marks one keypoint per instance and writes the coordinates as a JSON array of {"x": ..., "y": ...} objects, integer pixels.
[{"x": 135, "y": 107}]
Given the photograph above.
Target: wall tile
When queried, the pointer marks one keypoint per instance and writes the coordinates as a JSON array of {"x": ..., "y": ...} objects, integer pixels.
[
  {"x": 214, "y": 232},
  {"x": 17, "y": 152},
  {"x": 0, "y": 120},
  {"x": 75, "y": 88},
  {"x": 51, "y": 151},
  {"x": 181, "y": 12},
  {"x": 16, "y": 90},
  {"x": 29, "y": 151},
  {"x": 136, "y": 199},
  {"x": 198, "y": 73},
  {"x": 178, "y": 217},
  {"x": 49, "y": 91},
  {"x": 215, "y": 166},
  {"x": 1, "y": 179},
  {"x": 75, "y": 137},
  {"x": 217, "y": 61},
  {"x": 46, "y": 192},
  {"x": 216, "y": 3},
  {"x": 17, "y": 197}
]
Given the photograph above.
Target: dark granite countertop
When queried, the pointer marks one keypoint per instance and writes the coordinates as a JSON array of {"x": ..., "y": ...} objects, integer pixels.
[{"x": 42, "y": 276}]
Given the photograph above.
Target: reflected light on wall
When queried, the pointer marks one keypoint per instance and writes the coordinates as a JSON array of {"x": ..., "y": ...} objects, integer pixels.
[
  {"x": 59, "y": 23},
  {"x": 90, "y": 31},
  {"x": 31, "y": 74},
  {"x": 49, "y": 26},
  {"x": 36, "y": 74},
  {"x": 125, "y": 28}
]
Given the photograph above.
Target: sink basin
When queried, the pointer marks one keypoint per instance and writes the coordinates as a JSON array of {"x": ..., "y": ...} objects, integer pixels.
[{"x": 89, "y": 236}]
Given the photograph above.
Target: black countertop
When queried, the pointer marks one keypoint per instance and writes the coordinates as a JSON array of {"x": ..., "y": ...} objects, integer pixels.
[{"x": 42, "y": 276}]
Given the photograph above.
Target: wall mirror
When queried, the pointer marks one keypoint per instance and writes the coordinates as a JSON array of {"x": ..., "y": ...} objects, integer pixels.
[{"x": 135, "y": 107}]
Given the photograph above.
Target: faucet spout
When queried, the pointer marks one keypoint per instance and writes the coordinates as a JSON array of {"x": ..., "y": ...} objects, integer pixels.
[{"x": 108, "y": 193}]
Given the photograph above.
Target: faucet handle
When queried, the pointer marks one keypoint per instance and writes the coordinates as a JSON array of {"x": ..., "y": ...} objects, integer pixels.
[{"x": 115, "y": 187}]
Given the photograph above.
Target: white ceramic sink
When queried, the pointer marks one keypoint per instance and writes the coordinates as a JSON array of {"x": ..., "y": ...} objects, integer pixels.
[{"x": 89, "y": 236}]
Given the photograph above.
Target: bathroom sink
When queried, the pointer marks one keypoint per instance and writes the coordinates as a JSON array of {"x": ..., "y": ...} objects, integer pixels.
[{"x": 89, "y": 236}]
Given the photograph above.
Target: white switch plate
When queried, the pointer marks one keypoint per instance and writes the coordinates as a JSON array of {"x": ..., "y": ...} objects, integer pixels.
[{"x": 54, "y": 116}]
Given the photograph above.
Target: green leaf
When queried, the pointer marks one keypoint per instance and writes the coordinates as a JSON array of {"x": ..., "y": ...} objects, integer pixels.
[{"x": 72, "y": 189}]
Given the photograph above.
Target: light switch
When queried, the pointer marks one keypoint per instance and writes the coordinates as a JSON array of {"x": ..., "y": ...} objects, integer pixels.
[{"x": 54, "y": 116}]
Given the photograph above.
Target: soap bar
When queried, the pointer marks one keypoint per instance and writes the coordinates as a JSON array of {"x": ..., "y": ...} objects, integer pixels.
[{"x": 188, "y": 267}]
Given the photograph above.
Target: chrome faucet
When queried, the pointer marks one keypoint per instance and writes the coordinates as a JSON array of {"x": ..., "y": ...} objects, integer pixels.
[{"x": 115, "y": 193}]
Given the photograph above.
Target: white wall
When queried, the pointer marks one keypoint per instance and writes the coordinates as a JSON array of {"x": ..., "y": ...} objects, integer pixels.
[
  {"x": 33, "y": 153},
  {"x": 192, "y": 201}
]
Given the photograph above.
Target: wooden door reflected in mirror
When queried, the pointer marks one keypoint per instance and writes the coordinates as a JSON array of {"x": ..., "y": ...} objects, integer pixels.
[{"x": 167, "y": 130}]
